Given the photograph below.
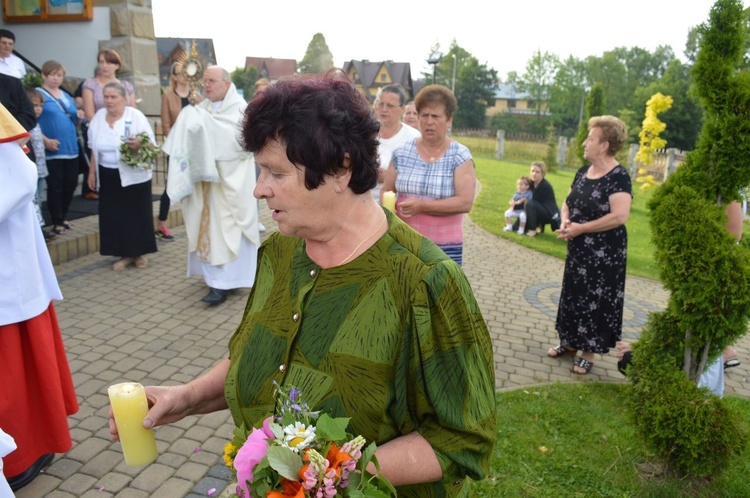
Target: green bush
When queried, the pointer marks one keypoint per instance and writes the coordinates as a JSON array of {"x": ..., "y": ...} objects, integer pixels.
[{"x": 706, "y": 272}]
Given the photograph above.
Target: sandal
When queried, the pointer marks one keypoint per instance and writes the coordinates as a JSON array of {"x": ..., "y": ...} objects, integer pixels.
[
  {"x": 583, "y": 364},
  {"x": 58, "y": 230},
  {"x": 66, "y": 225},
  {"x": 732, "y": 362},
  {"x": 141, "y": 262},
  {"x": 560, "y": 351},
  {"x": 121, "y": 264}
]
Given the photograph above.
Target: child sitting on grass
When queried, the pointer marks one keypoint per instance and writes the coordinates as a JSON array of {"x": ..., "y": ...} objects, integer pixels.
[{"x": 517, "y": 205}]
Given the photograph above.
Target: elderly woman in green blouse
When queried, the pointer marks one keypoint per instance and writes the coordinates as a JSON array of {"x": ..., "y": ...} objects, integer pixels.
[{"x": 369, "y": 319}]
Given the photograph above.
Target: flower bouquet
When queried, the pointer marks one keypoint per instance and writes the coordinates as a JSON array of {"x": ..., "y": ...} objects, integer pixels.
[
  {"x": 144, "y": 157},
  {"x": 303, "y": 454}
]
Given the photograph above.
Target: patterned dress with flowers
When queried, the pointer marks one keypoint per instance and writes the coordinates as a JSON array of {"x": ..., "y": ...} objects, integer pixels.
[{"x": 589, "y": 317}]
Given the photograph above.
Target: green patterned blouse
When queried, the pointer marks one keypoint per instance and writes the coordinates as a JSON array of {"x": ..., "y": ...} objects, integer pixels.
[{"x": 394, "y": 339}]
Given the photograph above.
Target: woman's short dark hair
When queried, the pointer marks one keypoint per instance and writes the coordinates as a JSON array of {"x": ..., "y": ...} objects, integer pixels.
[
  {"x": 436, "y": 94},
  {"x": 319, "y": 119},
  {"x": 398, "y": 90}
]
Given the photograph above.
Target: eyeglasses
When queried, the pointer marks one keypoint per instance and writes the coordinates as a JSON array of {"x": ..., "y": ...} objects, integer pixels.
[{"x": 386, "y": 105}]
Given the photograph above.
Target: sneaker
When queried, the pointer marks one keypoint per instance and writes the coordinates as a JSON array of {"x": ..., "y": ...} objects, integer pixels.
[
  {"x": 261, "y": 227},
  {"x": 508, "y": 229},
  {"x": 520, "y": 231},
  {"x": 164, "y": 234}
]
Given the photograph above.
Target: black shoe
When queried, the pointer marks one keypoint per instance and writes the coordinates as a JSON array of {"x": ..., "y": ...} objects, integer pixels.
[
  {"x": 215, "y": 296},
  {"x": 24, "y": 478}
]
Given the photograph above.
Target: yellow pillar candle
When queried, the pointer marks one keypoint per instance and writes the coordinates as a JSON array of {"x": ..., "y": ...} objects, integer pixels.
[
  {"x": 389, "y": 201},
  {"x": 130, "y": 406}
]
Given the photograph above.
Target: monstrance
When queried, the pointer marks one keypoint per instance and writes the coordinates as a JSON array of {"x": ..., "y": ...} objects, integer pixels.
[{"x": 193, "y": 66}]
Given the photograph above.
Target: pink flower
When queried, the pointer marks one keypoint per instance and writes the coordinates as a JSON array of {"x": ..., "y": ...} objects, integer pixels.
[{"x": 251, "y": 453}]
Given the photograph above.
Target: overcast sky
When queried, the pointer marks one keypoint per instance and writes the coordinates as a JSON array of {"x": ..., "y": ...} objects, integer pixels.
[{"x": 502, "y": 34}]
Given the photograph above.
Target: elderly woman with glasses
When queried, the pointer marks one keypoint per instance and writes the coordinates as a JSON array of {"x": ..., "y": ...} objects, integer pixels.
[{"x": 433, "y": 175}]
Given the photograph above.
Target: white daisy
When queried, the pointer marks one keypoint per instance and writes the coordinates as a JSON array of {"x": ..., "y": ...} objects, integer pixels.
[{"x": 298, "y": 436}]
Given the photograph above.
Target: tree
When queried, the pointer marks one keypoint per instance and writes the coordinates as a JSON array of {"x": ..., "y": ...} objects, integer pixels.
[
  {"x": 475, "y": 86},
  {"x": 244, "y": 79},
  {"x": 318, "y": 58},
  {"x": 538, "y": 78},
  {"x": 705, "y": 271},
  {"x": 567, "y": 96},
  {"x": 595, "y": 105}
]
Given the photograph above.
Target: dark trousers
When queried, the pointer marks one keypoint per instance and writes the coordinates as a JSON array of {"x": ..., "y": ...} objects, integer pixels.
[
  {"x": 536, "y": 215},
  {"x": 61, "y": 185},
  {"x": 164, "y": 204}
]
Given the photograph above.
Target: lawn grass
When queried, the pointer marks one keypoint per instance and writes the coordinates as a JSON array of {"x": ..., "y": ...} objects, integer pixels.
[
  {"x": 575, "y": 440},
  {"x": 498, "y": 180}
]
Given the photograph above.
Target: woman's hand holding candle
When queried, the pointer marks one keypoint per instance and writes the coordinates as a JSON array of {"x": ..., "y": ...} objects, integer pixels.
[{"x": 129, "y": 406}]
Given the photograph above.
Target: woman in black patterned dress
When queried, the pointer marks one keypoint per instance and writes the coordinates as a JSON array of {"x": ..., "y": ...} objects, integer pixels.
[{"x": 589, "y": 317}]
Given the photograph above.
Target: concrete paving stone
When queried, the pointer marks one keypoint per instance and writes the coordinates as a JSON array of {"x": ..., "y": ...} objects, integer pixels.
[
  {"x": 99, "y": 492},
  {"x": 206, "y": 484},
  {"x": 221, "y": 471},
  {"x": 215, "y": 445},
  {"x": 92, "y": 424},
  {"x": 88, "y": 449},
  {"x": 171, "y": 459},
  {"x": 42, "y": 486},
  {"x": 174, "y": 487},
  {"x": 91, "y": 387},
  {"x": 97, "y": 366},
  {"x": 78, "y": 434},
  {"x": 60, "y": 494},
  {"x": 63, "y": 468},
  {"x": 166, "y": 354},
  {"x": 191, "y": 471},
  {"x": 77, "y": 484},
  {"x": 200, "y": 433},
  {"x": 132, "y": 493},
  {"x": 151, "y": 477},
  {"x": 206, "y": 458},
  {"x": 170, "y": 433},
  {"x": 184, "y": 446},
  {"x": 163, "y": 373},
  {"x": 103, "y": 464}
]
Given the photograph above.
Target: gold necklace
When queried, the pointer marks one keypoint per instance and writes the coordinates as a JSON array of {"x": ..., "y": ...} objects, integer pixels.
[
  {"x": 360, "y": 244},
  {"x": 439, "y": 152}
]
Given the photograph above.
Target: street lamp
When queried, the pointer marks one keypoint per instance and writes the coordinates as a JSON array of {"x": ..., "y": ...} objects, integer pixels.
[
  {"x": 434, "y": 59},
  {"x": 453, "y": 82}
]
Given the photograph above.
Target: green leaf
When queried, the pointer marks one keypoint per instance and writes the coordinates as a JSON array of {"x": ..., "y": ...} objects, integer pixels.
[
  {"x": 331, "y": 429},
  {"x": 285, "y": 462}
]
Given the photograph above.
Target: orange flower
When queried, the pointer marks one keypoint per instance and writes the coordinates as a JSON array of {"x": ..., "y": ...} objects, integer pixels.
[
  {"x": 336, "y": 457},
  {"x": 290, "y": 489}
]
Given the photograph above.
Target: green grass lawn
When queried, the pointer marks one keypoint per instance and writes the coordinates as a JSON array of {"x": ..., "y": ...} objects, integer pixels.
[
  {"x": 575, "y": 440},
  {"x": 498, "y": 179}
]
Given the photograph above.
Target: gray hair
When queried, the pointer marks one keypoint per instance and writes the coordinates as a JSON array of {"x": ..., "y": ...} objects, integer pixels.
[
  {"x": 397, "y": 89},
  {"x": 117, "y": 86}
]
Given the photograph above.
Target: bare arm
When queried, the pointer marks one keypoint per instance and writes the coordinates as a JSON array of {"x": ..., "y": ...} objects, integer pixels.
[
  {"x": 464, "y": 180},
  {"x": 88, "y": 104},
  {"x": 407, "y": 460},
  {"x": 172, "y": 403},
  {"x": 619, "y": 205}
]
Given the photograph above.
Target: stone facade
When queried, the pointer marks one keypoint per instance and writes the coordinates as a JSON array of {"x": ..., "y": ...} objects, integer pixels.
[{"x": 132, "y": 36}]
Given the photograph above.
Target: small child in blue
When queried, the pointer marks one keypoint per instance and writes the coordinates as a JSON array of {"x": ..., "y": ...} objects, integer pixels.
[
  {"x": 37, "y": 144},
  {"x": 518, "y": 204}
]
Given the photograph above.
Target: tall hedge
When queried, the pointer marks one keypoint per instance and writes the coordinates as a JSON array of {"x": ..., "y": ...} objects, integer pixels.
[{"x": 706, "y": 272}]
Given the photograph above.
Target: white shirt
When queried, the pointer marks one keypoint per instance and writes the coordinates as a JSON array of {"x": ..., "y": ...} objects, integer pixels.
[
  {"x": 13, "y": 66},
  {"x": 388, "y": 145}
]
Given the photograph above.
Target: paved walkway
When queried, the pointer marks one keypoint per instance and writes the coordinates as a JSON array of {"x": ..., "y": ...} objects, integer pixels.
[{"x": 149, "y": 326}]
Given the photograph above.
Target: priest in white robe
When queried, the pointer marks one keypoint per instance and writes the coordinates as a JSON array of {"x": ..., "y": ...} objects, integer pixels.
[{"x": 213, "y": 179}]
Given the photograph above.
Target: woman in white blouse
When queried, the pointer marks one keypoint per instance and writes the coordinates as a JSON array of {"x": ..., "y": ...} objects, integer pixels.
[{"x": 126, "y": 220}]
